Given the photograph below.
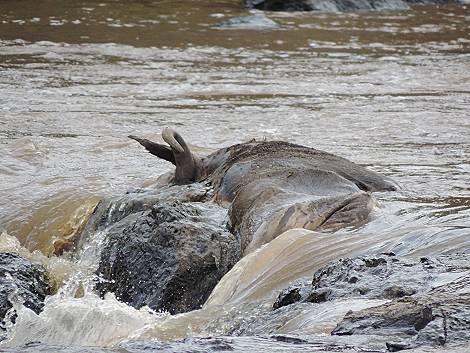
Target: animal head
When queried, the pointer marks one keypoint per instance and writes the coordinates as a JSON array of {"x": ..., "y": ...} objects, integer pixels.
[{"x": 188, "y": 165}]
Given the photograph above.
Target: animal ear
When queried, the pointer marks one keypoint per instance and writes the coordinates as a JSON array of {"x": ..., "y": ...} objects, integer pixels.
[{"x": 161, "y": 151}]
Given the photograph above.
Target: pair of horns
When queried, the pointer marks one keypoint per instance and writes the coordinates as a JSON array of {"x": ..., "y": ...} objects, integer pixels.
[
  {"x": 178, "y": 153},
  {"x": 174, "y": 139}
]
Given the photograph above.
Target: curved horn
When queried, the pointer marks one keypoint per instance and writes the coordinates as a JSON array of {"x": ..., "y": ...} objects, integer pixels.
[
  {"x": 188, "y": 165},
  {"x": 170, "y": 137},
  {"x": 161, "y": 151}
]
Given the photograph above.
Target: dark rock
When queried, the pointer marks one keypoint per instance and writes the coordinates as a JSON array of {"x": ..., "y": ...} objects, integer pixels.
[
  {"x": 395, "y": 291},
  {"x": 279, "y": 5},
  {"x": 21, "y": 281},
  {"x": 289, "y": 339},
  {"x": 318, "y": 296},
  {"x": 169, "y": 257},
  {"x": 112, "y": 210},
  {"x": 292, "y": 294},
  {"x": 374, "y": 262},
  {"x": 428, "y": 300},
  {"x": 338, "y": 5},
  {"x": 406, "y": 317},
  {"x": 371, "y": 277},
  {"x": 435, "y": 318},
  {"x": 287, "y": 296},
  {"x": 384, "y": 277}
]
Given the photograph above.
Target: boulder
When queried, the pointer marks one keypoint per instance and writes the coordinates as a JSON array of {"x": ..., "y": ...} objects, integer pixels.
[
  {"x": 382, "y": 277},
  {"x": 111, "y": 210},
  {"x": 338, "y": 5},
  {"x": 169, "y": 256},
  {"x": 21, "y": 281},
  {"x": 439, "y": 317},
  {"x": 424, "y": 302}
]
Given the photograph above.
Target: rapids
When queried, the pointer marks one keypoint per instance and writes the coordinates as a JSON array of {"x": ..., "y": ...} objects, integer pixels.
[{"x": 390, "y": 90}]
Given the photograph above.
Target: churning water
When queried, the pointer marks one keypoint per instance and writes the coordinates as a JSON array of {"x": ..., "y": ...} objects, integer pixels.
[{"x": 389, "y": 90}]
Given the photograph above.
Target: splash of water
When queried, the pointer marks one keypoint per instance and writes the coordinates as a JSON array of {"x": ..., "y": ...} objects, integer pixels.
[
  {"x": 88, "y": 320},
  {"x": 245, "y": 292},
  {"x": 59, "y": 269}
]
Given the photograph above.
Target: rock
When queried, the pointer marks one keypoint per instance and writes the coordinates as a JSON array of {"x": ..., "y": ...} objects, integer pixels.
[
  {"x": 21, "y": 281},
  {"x": 439, "y": 317},
  {"x": 425, "y": 302},
  {"x": 338, "y": 5},
  {"x": 276, "y": 5},
  {"x": 258, "y": 21},
  {"x": 112, "y": 210},
  {"x": 294, "y": 293},
  {"x": 384, "y": 277},
  {"x": 168, "y": 257}
]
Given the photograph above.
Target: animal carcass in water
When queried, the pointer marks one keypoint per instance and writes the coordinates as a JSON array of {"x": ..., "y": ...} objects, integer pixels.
[{"x": 272, "y": 186}]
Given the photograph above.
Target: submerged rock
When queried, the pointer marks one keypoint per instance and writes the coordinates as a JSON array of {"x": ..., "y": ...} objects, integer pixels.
[
  {"x": 246, "y": 344},
  {"x": 248, "y": 22},
  {"x": 21, "y": 281},
  {"x": 292, "y": 294},
  {"x": 168, "y": 257},
  {"x": 337, "y": 5}
]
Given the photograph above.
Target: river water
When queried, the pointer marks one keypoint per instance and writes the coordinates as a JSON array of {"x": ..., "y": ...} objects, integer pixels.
[{"x": 389, "y": 90}]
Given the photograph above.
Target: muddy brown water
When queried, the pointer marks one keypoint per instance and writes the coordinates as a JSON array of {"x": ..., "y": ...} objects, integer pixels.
[{"x": 389, "y": 90}]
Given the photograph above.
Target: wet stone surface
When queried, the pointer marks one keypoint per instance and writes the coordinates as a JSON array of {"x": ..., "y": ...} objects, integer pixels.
[
  {"x": 385, "y": 277},
  {"x": 21, "y": 281},
  {"x": 429, "y": 299},
  {"x": 111, "y": 210},
  {"x": 439, "y": 317},
  {"x": 337, "y": 5},
  {"x": 169, "y": 257}
]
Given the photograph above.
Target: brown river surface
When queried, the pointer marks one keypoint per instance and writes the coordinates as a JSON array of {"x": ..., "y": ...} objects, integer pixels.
[{"x": 388, "y": 90}]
